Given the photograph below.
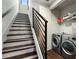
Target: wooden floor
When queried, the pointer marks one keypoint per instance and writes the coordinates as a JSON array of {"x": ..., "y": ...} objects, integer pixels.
[{"x": 52, "y": 55}]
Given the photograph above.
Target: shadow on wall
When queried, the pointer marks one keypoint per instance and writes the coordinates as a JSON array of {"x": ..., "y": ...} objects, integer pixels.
[{"x": 7, "y": 20}]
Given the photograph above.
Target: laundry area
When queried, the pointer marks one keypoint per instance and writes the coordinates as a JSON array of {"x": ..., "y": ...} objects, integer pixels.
[
  {"x": 62, "y": 44},
  {"x": 39, "y": 29}
]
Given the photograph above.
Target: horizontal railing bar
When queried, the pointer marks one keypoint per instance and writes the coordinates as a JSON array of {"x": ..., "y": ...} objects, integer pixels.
[
  {"x": 41, "y": 47},
  {"x": 43, "y": 36},
  {"x": 40, "y": 15},
  {"x": 38, "y": 40},
  {"x": 39, "y": 28},
  {"x": 40, "y": 24},
  {"x": 40, "y": 20},
  {"x": 42, "y": 41}
]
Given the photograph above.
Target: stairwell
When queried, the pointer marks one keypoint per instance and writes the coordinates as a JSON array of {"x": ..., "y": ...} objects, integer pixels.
[{"x": 20, "y": 43}]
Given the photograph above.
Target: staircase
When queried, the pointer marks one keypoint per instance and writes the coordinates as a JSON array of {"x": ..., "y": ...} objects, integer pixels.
[{"x": 20, "y": 42}]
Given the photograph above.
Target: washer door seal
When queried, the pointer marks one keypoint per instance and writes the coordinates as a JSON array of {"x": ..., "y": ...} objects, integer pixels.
[
  {"x": 68, "y": 47},
  {"x": 56, "y": 41}
]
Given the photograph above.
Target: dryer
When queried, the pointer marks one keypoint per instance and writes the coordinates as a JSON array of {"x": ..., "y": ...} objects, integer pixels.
[
  {"x": 68, "y": 46},
  {"x": 56, "y": 43}
]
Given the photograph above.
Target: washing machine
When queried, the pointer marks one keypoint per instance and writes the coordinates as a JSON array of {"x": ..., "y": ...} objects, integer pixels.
[
  {"x": 56, "y": 43},
  {"x": 68, "y": 46}
]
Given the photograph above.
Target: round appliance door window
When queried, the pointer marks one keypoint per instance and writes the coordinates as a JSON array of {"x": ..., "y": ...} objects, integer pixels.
[
  {"x": 56, "y": 41},
  {"x": 68, "y": 48}
]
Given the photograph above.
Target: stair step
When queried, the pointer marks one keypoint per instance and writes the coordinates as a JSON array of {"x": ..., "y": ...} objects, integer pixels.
[
  {"x": 23, "y": 56},
  {"x": 13, "y": 33},
  {"x": 15, "y": 40},
  {"x": 18, "y": 49},
  {"x": 20, "y": 16},
  {"x": 19, "y": 32},
  {"x": 14, "y": 47},
  {"x": 21, "y": 23},
  {"x": 13, "y": 44},
  {"x": 31, "y": 57},
  {"x": 19, "y": 54},
  {"x": 21, "y": 26},
  {"x": 20, "y": 29},
  {"x": 18, "y": 37},
  {"x": 21, "y": 20}
]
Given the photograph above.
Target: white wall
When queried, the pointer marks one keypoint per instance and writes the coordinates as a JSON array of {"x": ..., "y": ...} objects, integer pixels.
[
  {"x": 52, "y": 26},
  {"x": 6, "y": 5},
  {"x": 32, "y": 5},
  {"x": 69, "y": 29}
]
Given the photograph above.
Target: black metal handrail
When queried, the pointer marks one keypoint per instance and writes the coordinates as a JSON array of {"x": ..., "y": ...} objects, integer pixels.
[
  {"x": 40, "y": 27},
  {"x": 7, "y": 12}
]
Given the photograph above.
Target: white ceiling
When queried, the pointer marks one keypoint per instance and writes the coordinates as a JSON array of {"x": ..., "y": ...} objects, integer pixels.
[
  {"x": 66, "y": 3},
  {"x": 44, "y": 2},
  {"x": 54, "y": 3}
]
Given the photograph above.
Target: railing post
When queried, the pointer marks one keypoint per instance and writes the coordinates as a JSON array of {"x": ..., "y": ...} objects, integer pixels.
[
  {"x": 33, "y": 17},
  {"x": 45, "y": 39}
]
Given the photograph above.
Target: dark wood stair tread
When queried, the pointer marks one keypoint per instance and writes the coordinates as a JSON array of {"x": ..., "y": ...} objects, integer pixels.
[
  {"x": 22, "y": 23},
  {"x": 20, "y": 29},
  {"x": 18, "y": 46},
  {"x": 23, "y": 55},
  {"x": 18, "y": 50},
  {"x": 19, "y": 40},
  {"x": 19, "y": 34},
  {"x": 21, "y": 26}
]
